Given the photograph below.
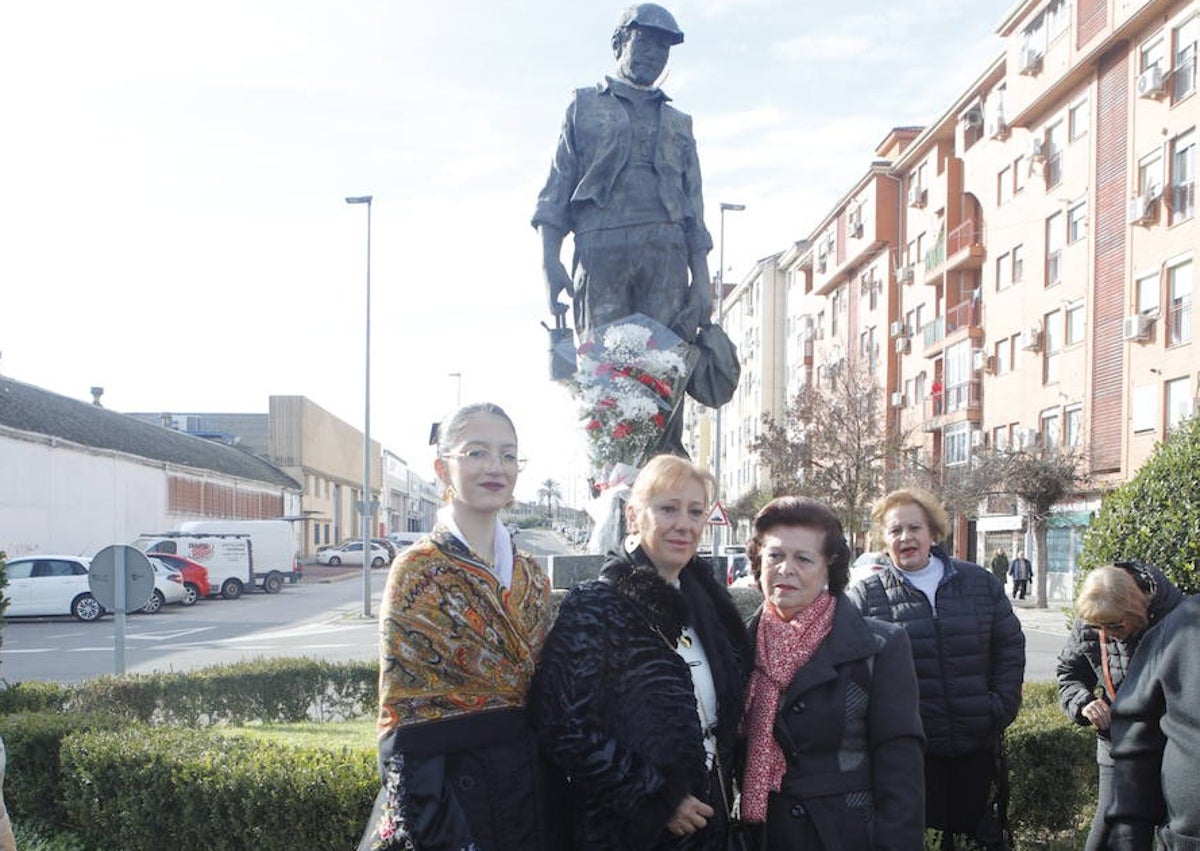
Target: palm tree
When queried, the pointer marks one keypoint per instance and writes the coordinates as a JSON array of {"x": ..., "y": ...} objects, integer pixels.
[{"x": 551, "y": 492}]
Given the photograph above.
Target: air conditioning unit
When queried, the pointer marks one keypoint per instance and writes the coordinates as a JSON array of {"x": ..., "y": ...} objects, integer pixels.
[
  {"x": 898, "y": 400},
  {"x": 897, "y": 329},
  {"x": 1037, "y": 148},
  {"x": 977, "y": 437},
  {"x": 902, "y": 345},
  {"x": 1029, "y": 61},
  {"x": 1152, "y": 83},
  {"x": 916, "y": 196},
  {"x": 856, "y": 229},
  {"x": 978, "y": 360},
  {"x": 1031, "y": 340},
  {"x": 1140, "y": 210},
  {"x": 1136, "y": 328},
  {"x": 989, "y": 365},
  {"x": 905, "y": 274}
]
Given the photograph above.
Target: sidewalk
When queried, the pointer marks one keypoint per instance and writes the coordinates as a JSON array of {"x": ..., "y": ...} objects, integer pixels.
[{"x": 1053, "y": 619}]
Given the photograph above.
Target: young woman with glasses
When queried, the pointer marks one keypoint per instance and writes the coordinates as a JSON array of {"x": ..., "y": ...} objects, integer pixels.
[{"x": 462, "y": 622}]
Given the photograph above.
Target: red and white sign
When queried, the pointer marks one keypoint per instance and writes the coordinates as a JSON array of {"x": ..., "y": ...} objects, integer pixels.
[{"x": 717, "y": 515}]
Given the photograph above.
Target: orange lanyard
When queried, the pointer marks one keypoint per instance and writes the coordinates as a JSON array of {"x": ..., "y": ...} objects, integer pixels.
[{"x": 1108, "y": 683}]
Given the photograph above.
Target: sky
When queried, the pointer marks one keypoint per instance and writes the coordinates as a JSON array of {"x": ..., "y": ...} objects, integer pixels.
[{"x": 172, "y": 183}]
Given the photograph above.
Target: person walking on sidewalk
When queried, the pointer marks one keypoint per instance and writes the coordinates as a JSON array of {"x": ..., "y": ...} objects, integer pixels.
[
  {"x": 1000, "y": 565},
  {"x": 1021, "y": 571}
]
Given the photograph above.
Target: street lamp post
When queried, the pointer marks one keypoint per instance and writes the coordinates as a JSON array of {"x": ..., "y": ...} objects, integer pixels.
[
  {"x": 734, "y": 208},
  {"x": 366, "y": 506}
]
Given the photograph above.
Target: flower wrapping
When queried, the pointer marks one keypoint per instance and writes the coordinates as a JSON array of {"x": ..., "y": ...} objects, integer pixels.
[{"x": 630, "y": 376}]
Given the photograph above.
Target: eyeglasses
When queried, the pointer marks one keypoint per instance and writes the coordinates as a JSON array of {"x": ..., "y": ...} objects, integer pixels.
[
  {"x": 1112, "y": 626},
  {"x": 482, "y": 457}
]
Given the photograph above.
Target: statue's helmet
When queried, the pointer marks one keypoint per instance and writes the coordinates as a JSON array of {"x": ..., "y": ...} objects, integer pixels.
[{"x": 649, "y": 15}]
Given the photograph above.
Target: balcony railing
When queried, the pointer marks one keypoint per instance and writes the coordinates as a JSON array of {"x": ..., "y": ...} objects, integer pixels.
[
  {"x": 962, "y": 315},
  {"x": 1179, "y": 323},
  {"x": 956, "y": 397},
  {"x": 963, "y": 237},
  {"x": 936, "y": 256},
  {"x": 1183, "y": 79}
]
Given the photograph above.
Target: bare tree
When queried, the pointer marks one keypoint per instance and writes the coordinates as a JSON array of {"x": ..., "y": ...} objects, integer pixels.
[{"x": 831, "y": 444}]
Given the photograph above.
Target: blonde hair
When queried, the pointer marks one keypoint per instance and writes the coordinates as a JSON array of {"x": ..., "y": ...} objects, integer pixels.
[
  {"x": 935, "y": 515},
  {"x": 664, "y": 473},
  {"x": 1109, "y": 594}
]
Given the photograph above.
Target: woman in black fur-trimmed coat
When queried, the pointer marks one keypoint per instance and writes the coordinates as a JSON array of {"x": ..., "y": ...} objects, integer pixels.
[{"x": 638, "y": 694}]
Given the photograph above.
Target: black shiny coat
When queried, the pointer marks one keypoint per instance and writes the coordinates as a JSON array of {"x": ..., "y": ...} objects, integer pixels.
[
  {"x": 969, "y": 654},
  {"x": 614, "y": 707}
]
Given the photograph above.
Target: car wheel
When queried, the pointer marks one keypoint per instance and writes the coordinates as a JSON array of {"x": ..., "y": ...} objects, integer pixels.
[
  {"x": 156, "y": 602},
  {"x": 231, "y": 589},
  {"x": 87, "y": 608},
  {"x": 377, "y": 561},
  {"x": 273, "y": 583},
  {"x": 190, "y": 594},
  {"x": 334, "y": 561}
]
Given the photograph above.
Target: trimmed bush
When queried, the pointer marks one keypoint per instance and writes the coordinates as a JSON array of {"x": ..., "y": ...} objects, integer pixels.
[
  {"x": 33, "y": 781},
  {"x": 224, "y": 794},
  {"x": 33, "y": 696}
]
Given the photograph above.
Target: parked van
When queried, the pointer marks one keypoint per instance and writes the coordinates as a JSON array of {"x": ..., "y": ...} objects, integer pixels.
[
  {"x": 275, "y": 549},
  {"x": 228, "y": 558}
]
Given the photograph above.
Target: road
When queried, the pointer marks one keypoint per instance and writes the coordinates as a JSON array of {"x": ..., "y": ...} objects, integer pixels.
[{"x": 315, "y": 619}]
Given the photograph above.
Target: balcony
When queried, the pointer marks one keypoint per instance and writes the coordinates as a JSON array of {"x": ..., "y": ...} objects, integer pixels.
[
  {"x": 956, "y": 403},
  {"x": 965, "y": 314},
  {"x": 935, "y": 259},
  {"x": 964, "y": 247}
]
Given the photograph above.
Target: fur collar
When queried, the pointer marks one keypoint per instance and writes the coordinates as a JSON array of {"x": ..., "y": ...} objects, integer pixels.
[{"x": 638, "y": 580}]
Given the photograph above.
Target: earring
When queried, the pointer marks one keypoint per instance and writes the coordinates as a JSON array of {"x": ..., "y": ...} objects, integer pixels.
[
  {"x": 632, "y": 541},
  {"x": 448, "y": 493}
]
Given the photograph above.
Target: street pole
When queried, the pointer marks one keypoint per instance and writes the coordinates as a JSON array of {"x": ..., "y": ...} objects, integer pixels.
[
  {"x": 365, "y": 505},
  {"x": 716, "y": 547}
]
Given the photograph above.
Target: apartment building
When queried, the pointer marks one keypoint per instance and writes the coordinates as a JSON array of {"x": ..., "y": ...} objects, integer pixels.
[{"x": 1019, "y": 271}]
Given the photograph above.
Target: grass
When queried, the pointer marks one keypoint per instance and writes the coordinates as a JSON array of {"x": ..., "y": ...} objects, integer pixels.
[{"x": 331, "y": 736}]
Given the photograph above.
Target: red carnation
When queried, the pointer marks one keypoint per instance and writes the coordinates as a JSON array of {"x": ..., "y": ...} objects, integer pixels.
[
  {"x": 622, "y": 430},
  {"x": 660, "y": 420},
  {"x": 593, "y": 425}
]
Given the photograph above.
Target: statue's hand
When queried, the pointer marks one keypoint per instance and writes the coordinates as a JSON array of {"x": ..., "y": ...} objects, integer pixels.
[
  {"x": 558, "y": 282},
  {"x": 700, "y": 304}
]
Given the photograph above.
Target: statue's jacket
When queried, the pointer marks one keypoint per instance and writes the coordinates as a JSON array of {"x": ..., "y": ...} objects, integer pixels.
[{"x": 594, "y": 147}]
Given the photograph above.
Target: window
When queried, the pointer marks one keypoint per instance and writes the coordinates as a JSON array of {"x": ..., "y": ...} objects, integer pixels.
[
  {"x": 1077, "y": 221},
  {"x": 1052, "y": 331},
  {"x": 1004, "y": 185},
  {"x": 1074, "y": 324},
  {"x": 1053, "y": 152},
  {"x": 1183, "y": 177},
  {"x": 1153, "y": 52},
  {"x": 958, "y": 444},
  {"x": 1143, "y": 407},
  {"x": 1004, "y": 275},
  {"x": 1078, "y": 119},
  {"x": 1179, "y": 304},
  {"x": 1074, "y": 427},
  {"x": 1019, "y": 171},
  {"x": 1049, "y": 430},
  {"x": 1147, "y": 294},
  {"x": 1180, "y": 401},
  {"x": 1000, "y": 437},
  {"x": 1150, "y": 177},
  {"x": 957, "y": 377},
  {"x": 1054, "y": 244},
  {"x": 835, "y": 311},
  {"x": 1003, "y": 356},
  {"x": 1018, "y": 263},
  {"x": 1183, "y": 75}
]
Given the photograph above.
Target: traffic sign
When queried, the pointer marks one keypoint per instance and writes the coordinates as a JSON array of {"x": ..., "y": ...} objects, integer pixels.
[
  {"x": 137, "y": 574},
  {"x": 717, "y": 515}
]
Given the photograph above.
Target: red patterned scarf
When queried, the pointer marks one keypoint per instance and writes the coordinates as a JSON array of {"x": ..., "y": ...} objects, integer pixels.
[{"x": 783, "y": 647}]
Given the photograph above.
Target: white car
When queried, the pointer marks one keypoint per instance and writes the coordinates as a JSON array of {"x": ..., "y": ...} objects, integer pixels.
[
  {"x": 351, "y": 553},
  {"x": 168, "y": 587},
  {"x": 867, "y": 564},
  {"x": 51, "y": 585}
]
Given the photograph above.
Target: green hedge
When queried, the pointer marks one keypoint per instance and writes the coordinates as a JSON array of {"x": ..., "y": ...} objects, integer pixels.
[
  {"x": 194, "y": 790},
  {"x": 267, "y": 690}
]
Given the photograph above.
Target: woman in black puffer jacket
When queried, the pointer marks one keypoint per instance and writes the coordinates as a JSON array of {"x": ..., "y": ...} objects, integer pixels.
[
  {"x": 1115, "y": 606},
  {"x": 638, "y": 693},
  {"x": 969, "y": 652}
]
